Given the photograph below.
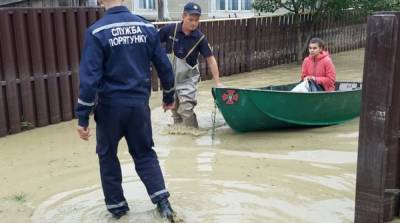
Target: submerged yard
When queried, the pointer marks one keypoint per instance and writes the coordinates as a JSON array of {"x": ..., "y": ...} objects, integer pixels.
[{"x": 302, "y": 175}]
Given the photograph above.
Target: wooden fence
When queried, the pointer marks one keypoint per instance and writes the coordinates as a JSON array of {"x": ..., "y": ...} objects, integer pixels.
[
  {"x": 39, "y": 59},
  {"x": 242, "y": 45},
  {"x": 40, "y": 51}
]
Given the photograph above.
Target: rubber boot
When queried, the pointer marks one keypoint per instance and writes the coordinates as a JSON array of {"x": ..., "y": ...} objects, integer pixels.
[
  {"x": 191, "y": 121},
  {"x": 165, "y": 209},
  {"x": 118, "y": 214},
  {"x": 177, "y": 120},
  {"x": 177, "y": 117}
]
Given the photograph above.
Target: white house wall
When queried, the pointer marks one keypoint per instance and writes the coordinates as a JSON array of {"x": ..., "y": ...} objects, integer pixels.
[{"x": 174, "y": 8}]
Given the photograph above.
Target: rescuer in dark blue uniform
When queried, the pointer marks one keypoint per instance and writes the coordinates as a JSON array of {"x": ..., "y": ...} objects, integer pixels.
[{"x": 115, "y": 67}]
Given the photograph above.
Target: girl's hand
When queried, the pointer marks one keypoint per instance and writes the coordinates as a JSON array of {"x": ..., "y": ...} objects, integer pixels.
[{"x": 310, "y": 78}]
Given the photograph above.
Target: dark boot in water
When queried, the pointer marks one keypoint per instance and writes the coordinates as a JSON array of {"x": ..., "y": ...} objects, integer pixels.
[
  {"x": 191, "y": 121},
  {"x": 165, "y": 210},
  {"x": 177, "y": 120},
  {"x": 119, "y": 214}
]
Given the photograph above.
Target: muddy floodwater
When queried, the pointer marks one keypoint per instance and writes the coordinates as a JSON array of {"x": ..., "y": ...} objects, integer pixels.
[{"x": 303, "y": 175}]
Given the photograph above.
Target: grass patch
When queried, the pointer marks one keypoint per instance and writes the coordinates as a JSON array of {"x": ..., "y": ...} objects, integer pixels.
[
  {"x": 26, "y": 125},
  {"x": 20, "y": 197}
]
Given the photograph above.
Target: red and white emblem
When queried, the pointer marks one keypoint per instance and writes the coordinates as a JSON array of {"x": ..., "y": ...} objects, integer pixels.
[{"x": 230, "y": 97}]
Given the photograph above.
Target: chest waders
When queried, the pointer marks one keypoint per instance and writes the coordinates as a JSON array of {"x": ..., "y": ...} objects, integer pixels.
[{"x": 186, "y": 79}]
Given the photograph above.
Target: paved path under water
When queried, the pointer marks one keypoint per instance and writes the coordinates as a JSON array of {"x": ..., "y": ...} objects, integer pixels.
[{"x": 303, "y": 175}]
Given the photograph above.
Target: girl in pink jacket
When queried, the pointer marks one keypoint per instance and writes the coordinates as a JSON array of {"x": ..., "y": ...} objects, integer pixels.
[{"x": 318, "y": 66}]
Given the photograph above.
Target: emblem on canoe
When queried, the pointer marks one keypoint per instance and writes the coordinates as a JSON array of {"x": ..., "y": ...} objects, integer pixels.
[{"x": 230, "y": 97}]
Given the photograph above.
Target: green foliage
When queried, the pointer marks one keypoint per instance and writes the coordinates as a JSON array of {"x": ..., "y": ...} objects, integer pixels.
[
  {"x": 321, "y": 9},
  {"x": 325, "y": 6}
]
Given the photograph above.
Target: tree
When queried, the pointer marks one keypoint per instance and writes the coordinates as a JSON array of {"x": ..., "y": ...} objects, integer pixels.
[{"x": 320, "y": 9}]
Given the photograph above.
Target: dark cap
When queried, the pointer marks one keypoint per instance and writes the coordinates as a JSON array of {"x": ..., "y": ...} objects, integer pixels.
[{"x": 192, "y": 8}]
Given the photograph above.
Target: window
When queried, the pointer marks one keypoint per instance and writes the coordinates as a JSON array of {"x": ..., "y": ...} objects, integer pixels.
[
  {"x": 220, "y": 5},
  {"x": 233, "y": 5},
  {"x": 147, "y": 4},
  {"x": 246, "y": 4},
  {"x": 147, "y": 8}
]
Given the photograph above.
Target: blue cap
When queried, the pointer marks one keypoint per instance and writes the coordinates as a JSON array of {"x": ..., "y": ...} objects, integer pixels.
[{"x": 192, "y": 8}]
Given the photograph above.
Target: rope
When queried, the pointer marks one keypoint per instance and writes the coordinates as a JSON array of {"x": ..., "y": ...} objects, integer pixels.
[{"x": 213, "y": 119}]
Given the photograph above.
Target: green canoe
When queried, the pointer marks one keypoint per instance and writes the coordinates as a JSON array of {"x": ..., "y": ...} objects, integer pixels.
[{"x": 275, "y": 107}]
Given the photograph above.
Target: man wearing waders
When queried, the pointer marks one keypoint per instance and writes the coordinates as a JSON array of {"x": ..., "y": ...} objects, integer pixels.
[
  {"x": 184, "y": 42},
  {"x": 115, "y": 66}
]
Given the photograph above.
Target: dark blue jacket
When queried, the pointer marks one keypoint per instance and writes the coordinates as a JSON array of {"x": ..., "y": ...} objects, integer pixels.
[
  {"x": 115, "y": 64},
  {"x": 183, "y": 43}
]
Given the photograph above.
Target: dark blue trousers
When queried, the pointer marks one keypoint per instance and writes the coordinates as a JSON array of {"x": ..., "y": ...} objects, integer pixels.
[{"x": 133, "y": 123}]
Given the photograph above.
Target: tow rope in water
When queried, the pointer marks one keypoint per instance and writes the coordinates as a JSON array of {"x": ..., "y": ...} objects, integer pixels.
[{"x": 214, "y": 122}]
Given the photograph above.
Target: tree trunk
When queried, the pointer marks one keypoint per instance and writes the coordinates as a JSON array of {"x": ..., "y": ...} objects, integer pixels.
[
  {"x": 160, "y": 9},
  {"x": 299, "y": 35},
  {"x": 304, "y": 38}
]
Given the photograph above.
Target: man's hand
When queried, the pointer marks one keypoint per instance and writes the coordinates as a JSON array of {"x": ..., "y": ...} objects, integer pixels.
[
  {"x": 167, "y": 107},
  {"x": 84, "y": 133}
]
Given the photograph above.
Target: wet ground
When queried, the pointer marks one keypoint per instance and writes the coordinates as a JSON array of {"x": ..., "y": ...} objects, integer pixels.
[{"x": 303, "y": 175}]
